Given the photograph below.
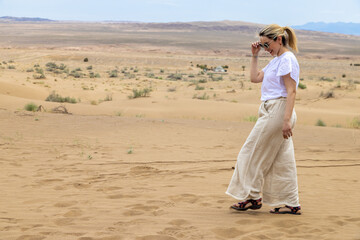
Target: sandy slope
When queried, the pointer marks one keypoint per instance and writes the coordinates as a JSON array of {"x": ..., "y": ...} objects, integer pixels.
[
  {"x": 158, "y": 167},
  {"x": 72, "y": 177}
]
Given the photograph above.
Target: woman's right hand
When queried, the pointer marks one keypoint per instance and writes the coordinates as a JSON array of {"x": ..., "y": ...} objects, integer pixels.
[{"x": 255, "y": 48}]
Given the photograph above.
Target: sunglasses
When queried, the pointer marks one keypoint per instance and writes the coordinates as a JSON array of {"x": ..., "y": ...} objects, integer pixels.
[{"x": 267, "y": 45}]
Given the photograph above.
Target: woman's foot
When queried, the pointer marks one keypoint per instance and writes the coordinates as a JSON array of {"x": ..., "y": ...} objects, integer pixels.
[
  {"x": 248, "y": 204},
  {"x": 287, "y": 210}
]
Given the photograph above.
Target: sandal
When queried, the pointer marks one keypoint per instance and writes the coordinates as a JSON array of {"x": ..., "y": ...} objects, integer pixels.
[
  {"x": 286, "y": 210},
  {"x": 243, "y": 206}
]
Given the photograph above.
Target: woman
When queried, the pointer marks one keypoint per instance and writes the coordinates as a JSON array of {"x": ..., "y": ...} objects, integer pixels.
[{"x": 266, "y": 162}]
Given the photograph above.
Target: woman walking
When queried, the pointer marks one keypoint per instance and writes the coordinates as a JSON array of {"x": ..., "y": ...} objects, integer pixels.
[{"x": 266, "y": 162}]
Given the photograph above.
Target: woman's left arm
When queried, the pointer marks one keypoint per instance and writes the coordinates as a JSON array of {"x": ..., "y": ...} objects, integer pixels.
[{"x": 290, "y": 85}]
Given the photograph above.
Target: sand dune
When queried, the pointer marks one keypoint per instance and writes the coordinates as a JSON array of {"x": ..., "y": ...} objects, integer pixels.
[
  {"x": 72, "y": 177},
  {"x": 157, "y": 167}
]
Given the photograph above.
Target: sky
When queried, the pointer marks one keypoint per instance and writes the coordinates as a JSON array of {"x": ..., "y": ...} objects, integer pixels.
[{"x": 283, "y": 12}]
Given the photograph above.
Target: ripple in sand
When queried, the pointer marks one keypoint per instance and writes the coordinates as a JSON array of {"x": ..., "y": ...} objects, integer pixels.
[{"x": 156, "y": 237}]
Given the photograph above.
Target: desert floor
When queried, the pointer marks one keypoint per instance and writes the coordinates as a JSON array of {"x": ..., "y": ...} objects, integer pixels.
[{"x": 157, "y": 167}]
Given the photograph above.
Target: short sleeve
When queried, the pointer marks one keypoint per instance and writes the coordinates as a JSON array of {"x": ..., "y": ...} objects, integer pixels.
[
  {"x": 266, "y": 67},
  {"x": 288, "y": 65}
]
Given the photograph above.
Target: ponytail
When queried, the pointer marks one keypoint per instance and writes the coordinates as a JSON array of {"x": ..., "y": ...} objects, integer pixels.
[{"x": 292, "y": 40}]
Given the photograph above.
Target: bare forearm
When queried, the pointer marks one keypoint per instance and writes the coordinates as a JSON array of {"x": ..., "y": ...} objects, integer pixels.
[
  {"x": 290, "y": 102},
  {"x": 254, "y": 68}
]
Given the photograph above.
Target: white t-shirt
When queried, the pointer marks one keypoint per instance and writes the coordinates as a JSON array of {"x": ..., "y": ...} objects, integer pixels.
[{"x": 273, "y": 85}]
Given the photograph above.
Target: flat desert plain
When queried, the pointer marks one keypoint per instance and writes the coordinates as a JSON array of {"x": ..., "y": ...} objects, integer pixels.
[{"x": 144, "y": 145}]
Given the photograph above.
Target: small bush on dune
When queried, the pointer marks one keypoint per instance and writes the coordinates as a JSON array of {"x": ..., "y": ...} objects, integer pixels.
[
  {"x": 320, "y": 123},
  {"x": 113, "y": 73},
  {"x": 140, "y": 93},
  {"x": 251, "y": 119},
  {"x": 202, "y": 97},
  {"x": 302, "y": 86},
  {"x": 31, "y": 107},
  {"x": 355, "y": 123},
  {"x": 54, "y": 97}
]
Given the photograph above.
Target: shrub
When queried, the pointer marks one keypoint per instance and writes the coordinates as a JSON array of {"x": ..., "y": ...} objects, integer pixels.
[
  {"x": 89, "y": 67},
  {"x": 203, "y": 97},
  {"x": 329, "y": 94},
  {"x": 31, "y": 107},
  {"x": 11, "y": 67},
  {"x": 113, "y": 73},
  {"x": 76, "y": 74},
  {"x": 218, "y": 78},
  {"x": 94, "y": 75},
  {"x": 251, "y": 119},
  {"x": 320, "y": 123},
  {"x": 173, "y": 89},
  {"x": 326, "y": 79},
  {"x": 150, "y": 75},
  {"x": 39, "y": 76},
  {"x": 54, "y": 97},
  {"x": 52, "y": 67},
  {"x": 302, "y": 86},
  {"x": 175, "y": 76},
  {"x": 199, "y": 87},
  {"x": 140, "y": 93},
  {"x": 86, "y": 59},
  {"x": 355, "y": 122},
  {"x": 108, "y": 97}
]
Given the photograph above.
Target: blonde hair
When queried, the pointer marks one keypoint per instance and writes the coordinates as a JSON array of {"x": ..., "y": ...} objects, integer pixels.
[{"x": 273, "y": 31}]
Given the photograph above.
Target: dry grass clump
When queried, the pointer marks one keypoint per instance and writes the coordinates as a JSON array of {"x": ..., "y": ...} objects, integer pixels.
[
  {"x": 54, "y": 97},
  {"x": 137, "y": 93},
  {"x": 320, "y": 123},
  {"x": 201, "y": 97},
  {"x": 251, "y": 119},
  {"x": 328, "y": 94},
  {"x": 32, "y": 107},
  {"x": 355, "y": 123}
]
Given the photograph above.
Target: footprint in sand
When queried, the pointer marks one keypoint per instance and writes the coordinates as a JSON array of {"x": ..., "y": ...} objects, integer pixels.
[
  {"x": 73, "y": 213},
  {"x": 81, "y": 185},
  {"x": 63, "y": 221},
  {"x": 179, "y": 222},
  {"x": 119, "y": 196},
  {"x": 65, "y": 204},
  {"x": 143, "y": 207},
  {"x": 156, "y": 237},
  {"x": 227, "y": 232},
  {"x": 144, "y": 171},
  {"x": 30, "y": 237},
  {"x": 130, "y": 213},
  {"x": 86, "y": 238},
  {"x": 188, "y": 198},
  {"x": 111, "y": 238}
]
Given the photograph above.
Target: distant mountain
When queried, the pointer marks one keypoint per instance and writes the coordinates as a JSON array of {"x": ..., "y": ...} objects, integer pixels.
[
  {"x": 24, "y": 19},
  {"x": 337, "y": 27}
]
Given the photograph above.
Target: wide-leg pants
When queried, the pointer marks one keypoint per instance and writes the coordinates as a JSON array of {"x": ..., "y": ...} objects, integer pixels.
[{"x": 266, "y": 162}]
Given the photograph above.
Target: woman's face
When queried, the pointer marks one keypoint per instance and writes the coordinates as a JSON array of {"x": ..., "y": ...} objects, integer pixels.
[{"x": 270, "y": 45}]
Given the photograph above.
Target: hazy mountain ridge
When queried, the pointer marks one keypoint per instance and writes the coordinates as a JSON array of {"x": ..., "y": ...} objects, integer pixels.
[
  {"x": 24, "y": 19},
  {"x": 337, "y": 27}
]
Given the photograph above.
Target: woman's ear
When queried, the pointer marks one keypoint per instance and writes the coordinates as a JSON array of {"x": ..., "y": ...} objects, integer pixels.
[{"x": 279, "y": 40}]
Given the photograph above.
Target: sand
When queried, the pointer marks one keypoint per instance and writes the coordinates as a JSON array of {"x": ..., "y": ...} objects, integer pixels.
[{"x": 157, "y": 167}]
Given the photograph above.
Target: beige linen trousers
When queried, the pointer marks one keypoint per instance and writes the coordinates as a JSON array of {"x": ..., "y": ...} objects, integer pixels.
[{"x": 266, "y": 162}]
